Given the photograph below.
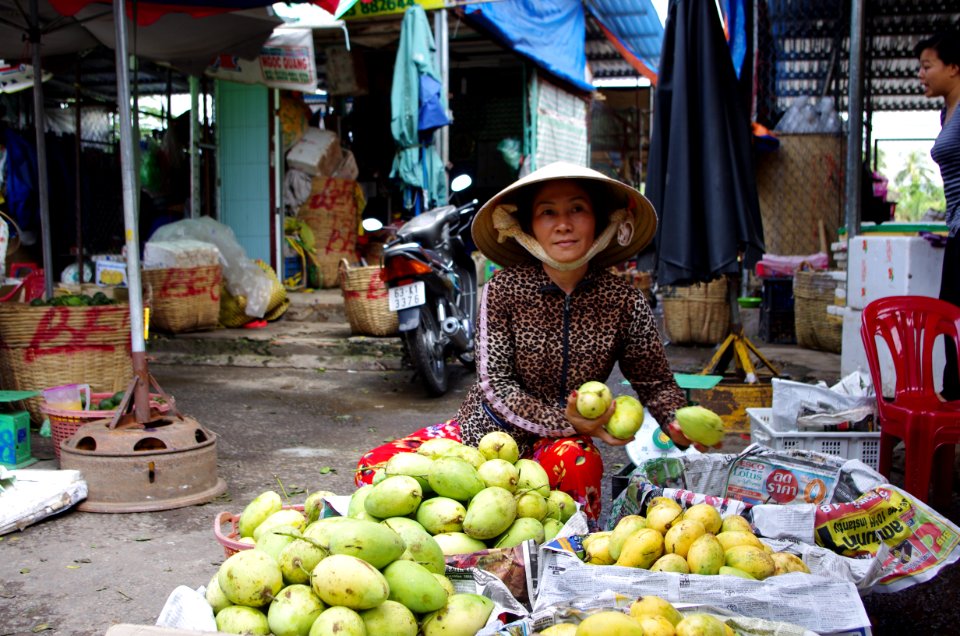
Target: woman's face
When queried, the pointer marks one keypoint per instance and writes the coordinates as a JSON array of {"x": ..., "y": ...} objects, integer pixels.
[
  {"x": 937, "y": 78},
  {"x": 563, "y": 221}
]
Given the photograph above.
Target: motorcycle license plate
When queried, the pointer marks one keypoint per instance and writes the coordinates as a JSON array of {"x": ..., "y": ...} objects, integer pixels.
[{"x": 405, "y": 296}]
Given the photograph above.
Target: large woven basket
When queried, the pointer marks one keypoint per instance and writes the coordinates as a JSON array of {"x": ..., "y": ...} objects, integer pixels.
[
  {"x": 42, "y": 347},
  {"x": 184, "y": 298},
  {"x": 813, "y": 291},
  {"x": 333, "y": 214},
  {"x": 697, "y": 314},
  {"x": 365, "y": 301}
]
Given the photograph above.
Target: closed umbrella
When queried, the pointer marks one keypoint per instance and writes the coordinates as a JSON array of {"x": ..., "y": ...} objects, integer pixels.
[
  {"x": 417, "y": 109},
  {"x": 701, "y": 175}
]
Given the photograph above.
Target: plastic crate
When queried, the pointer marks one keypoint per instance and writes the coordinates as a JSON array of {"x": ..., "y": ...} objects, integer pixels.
[
  {"x": 849, "y": 445},
  {"x": 777, "y": 294},
  {"x": 778, "y": 327}
]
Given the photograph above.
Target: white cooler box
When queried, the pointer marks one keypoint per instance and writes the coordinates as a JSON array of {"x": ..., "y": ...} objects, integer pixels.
[{"x": 881, "y": 266}]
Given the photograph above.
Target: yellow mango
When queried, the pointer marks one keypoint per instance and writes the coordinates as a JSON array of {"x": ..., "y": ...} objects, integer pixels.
[
  {"x": 610, "y": 623},
  {"x": 705, "y": 514},
  {"x": 784, "y": 563},
  {"x": 662, "y": 516},
  {"x": 656, "y": 626},
  {"x": 681, "y": 536},
  {"x": 705, "y": 555},
  {"x": 671, "y": 563},
  {"x": 641, "y": 549},
  {"x": 733, "y": 538},
  {"x": 624, "y": 528},
  {"x": 651, "y": 605},
  {"x": 752, "y": 560},
  {"x": 598, "y": 551},
  {"x": 735, "y": 522},
  {"x": 700, "y": 625}
]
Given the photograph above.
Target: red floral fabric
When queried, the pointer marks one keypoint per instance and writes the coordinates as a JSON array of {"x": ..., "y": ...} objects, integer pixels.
[{"x": 573, "y": 464}]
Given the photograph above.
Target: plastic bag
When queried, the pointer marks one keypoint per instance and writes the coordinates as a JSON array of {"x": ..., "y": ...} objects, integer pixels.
[
  {"x": 242, "y": 275},
  {"x": 810, "y": 115},
  {"x": 183, "y": 253}
]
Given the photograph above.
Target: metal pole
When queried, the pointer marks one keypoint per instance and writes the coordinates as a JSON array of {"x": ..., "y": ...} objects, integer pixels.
[
  {"x": 442, "y": 34},
  {"x": 39, "y": 123},
  {"x": 128, "y": 178},
  {"x": 194, "y": 147},
  {"x": 277, "y": 161},
  {"x": 78, "y": 157},
  {"x": 855, "y": 120}
]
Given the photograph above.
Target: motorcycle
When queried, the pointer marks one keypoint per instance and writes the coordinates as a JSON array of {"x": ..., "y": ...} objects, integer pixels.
[{"x": 431, "y": 282}]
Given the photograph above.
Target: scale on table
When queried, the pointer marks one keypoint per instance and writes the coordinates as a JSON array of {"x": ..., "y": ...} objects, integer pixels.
[{"x": 15, "y": 431}]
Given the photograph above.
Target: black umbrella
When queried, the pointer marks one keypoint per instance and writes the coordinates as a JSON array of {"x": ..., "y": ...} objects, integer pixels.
[{"x": 700, "y": 171}]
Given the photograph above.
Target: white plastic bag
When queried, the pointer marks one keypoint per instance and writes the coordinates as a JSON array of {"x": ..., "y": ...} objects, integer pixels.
[{"x": 243, "y": 276}]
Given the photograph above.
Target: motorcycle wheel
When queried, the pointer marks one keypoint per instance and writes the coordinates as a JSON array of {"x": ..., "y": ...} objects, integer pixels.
[{"x": 426, "y": 350}]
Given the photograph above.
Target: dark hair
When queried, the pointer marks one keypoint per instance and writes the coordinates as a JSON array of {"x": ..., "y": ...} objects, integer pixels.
[
  {"x": 600, "y": 198},
  {"x": 946, "y": 44}
]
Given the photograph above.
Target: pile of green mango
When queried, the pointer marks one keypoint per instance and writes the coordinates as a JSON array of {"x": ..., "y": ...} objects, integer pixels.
[
  {"x": 74, "y": 300},
  {"x": 110, "y": 403}
]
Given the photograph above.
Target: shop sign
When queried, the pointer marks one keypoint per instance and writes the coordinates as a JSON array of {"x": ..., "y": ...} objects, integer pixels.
[{"x": 377, "y": 8}]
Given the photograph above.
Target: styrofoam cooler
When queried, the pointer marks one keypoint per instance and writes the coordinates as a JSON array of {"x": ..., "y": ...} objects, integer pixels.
[
  {"x": 853, "y": 356},
  {"x": 881, "y": 266}
]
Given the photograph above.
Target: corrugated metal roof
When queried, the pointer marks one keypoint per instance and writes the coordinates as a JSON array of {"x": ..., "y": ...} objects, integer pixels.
[
  {"x": 635, "y": 23},
  {"x": 804, "y": 47}
]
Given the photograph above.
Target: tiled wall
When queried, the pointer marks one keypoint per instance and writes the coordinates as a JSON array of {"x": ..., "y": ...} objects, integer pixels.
[{"x": 244, "y": 164}]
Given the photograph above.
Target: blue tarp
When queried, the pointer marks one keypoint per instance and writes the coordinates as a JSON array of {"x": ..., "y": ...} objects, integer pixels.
[{"x": 551, "y": 33}]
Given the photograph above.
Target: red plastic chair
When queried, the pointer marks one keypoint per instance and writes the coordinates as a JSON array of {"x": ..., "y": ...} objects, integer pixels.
[
  {"x": 928, "y": 425},
  {"x": 33, "y": 286}
]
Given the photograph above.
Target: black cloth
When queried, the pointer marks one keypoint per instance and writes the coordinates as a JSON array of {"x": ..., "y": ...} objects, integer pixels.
[{"x": 701, "y": 177}]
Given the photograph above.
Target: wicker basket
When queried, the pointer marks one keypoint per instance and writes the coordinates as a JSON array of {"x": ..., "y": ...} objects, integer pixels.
[
  {"x": 49, "y": 346},
  {"x": 697, "y": 314},
  {"x": 365, "y": 301},
  {"x": 813, "y": 291},
  {"x": 226, "y": 528},
  {"x": 184, "y": 298},
  {"x": 65, "y": 422}
]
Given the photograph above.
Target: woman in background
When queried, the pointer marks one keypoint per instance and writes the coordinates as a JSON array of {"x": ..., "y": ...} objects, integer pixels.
[{"x": 940, "y": 76}]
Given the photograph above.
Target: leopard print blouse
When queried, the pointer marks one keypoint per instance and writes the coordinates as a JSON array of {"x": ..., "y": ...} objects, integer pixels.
[{"x": 535, "y": 345}]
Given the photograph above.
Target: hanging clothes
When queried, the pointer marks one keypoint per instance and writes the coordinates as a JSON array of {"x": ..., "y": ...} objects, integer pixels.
[{"x": 418, "y": 108}]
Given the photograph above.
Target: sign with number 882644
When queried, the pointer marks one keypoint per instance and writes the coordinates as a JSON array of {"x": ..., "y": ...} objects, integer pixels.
[{"x": 386, "y": 7}]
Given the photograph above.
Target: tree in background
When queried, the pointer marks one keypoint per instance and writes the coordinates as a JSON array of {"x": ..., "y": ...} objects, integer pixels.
[{"x": 917, "y": 192}]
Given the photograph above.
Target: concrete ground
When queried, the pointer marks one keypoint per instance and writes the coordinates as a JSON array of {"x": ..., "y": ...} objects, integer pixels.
[{"x": 293, "y": 407}]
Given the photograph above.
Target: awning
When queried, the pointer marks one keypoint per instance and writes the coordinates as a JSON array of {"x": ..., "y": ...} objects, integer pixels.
[
  {"x": 634, "y": 29},
  {"x": 551, "y": 33}
]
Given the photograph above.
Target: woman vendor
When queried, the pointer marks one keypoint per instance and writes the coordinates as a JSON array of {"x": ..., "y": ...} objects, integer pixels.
[{"x": 554, "y": 318}]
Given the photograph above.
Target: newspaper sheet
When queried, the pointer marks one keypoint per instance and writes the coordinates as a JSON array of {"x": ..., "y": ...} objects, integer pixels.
[
  {"x": 37, "y": 494},
  {"x": 870, "y": 533},
  {"x": 788, "y": 598}
]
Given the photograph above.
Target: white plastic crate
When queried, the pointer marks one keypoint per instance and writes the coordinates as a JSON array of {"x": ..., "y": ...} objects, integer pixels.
[{"x": 850, "y": 445}]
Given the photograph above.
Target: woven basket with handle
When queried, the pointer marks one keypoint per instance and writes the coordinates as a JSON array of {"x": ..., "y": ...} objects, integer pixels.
[
  {"x": 697, "y": 314},
  {"x": 365, "y": 301},
  {"x": 184, "y": 298},
  {"x": 813, "y": 291}
]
